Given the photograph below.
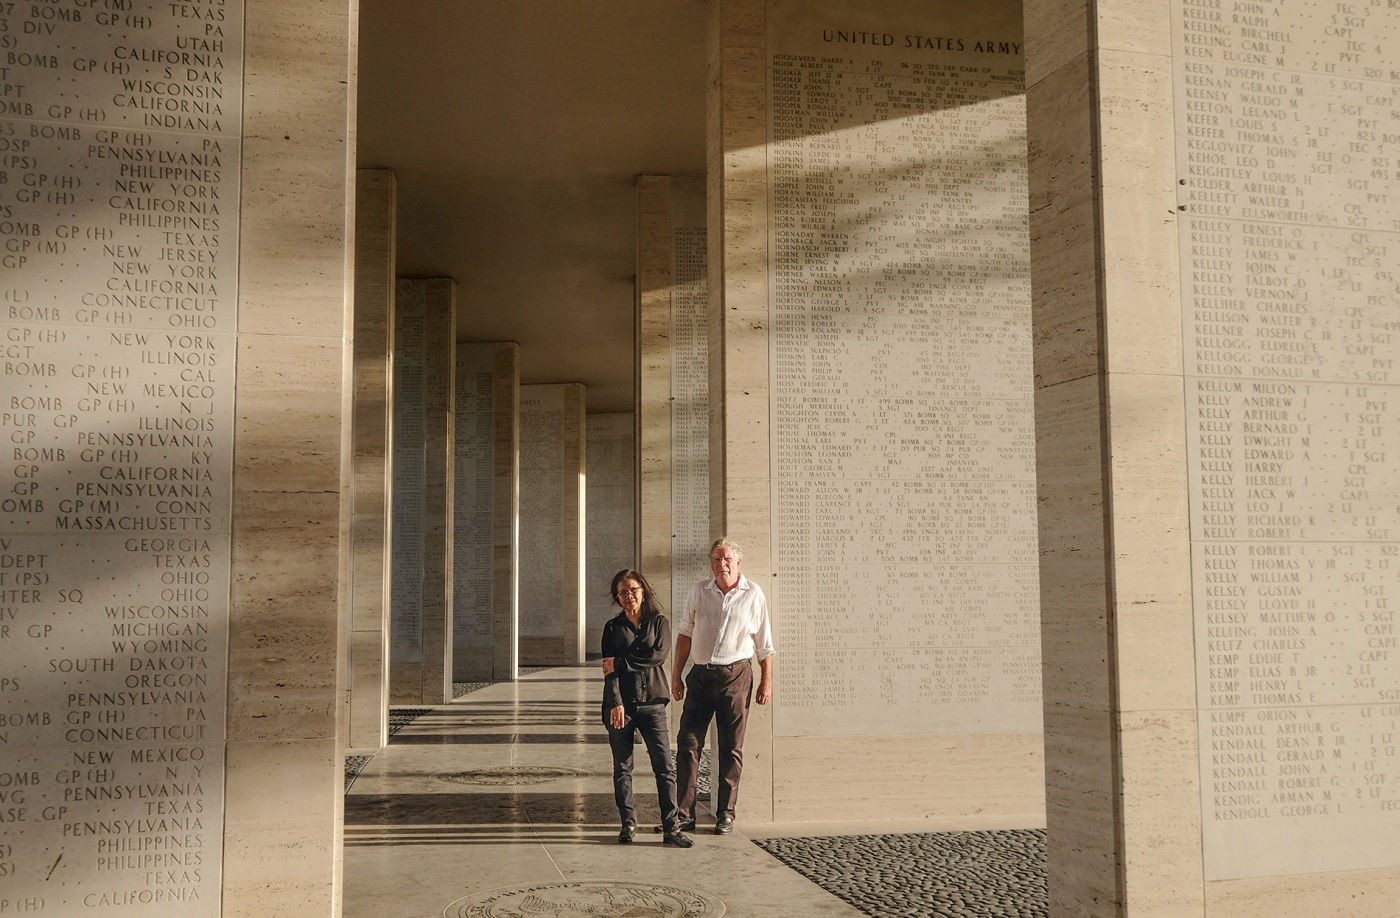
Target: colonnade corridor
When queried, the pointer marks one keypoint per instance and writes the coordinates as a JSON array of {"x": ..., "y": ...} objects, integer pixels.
[{"x": 501, "y": 804}]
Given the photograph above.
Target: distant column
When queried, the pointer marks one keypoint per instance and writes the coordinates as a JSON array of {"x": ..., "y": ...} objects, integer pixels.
[
  {"x": 612, "y": 516},
  {"x": 483, "y": 615},
  {"x": 552, "y": 469},
  {"x": 505, "y": 543},
  {"x": 673, "y": 396},
  {"x": 424, "y": 338},
  {"x": 368, "y": 680}
]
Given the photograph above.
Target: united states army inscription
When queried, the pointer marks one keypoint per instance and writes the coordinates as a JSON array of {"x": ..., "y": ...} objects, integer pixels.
[{"x": 904, "y": 494}]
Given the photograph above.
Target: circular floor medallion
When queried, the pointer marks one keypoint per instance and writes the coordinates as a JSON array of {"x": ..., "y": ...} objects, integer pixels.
[
  {"x": 600, "y": 898},
  {"x": 511, "y": 775}
]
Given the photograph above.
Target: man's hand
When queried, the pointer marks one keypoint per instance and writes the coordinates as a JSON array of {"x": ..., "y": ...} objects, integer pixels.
[
  {"x": 765, "y": 680},
  {"x": 677, "y": 687},
  {"x": 618, "y": 717},
  {"x": 608, "y": 667}
]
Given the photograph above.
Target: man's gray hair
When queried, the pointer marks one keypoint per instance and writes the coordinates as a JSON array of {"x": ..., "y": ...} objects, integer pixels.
[{"x": 727, "y": 542}]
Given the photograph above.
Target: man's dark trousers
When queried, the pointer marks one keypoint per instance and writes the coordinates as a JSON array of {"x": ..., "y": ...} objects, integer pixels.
[{"x": 721, "y": 693}]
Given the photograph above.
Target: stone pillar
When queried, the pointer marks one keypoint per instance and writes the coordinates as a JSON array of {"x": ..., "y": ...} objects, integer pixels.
[
  {"x": 172, "y": 542},
  {"x": 673, "y": 384},
  {"x": 424, "y": 391},
  {"x": 611, "y": 527},
  {"x": 871, "y": 401},
  {"x": 1209, "y": 276},
  {"x": 552, "y": 514},
  {"x": 505, "y": 584},
  {"x": 486, "y": 485},
  {"x": 367, "y": 681}
]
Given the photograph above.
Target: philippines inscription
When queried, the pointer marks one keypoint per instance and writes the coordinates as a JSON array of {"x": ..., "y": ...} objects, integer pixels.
[
  {"x": 119, "y": 169},
  {"x": 1288, "y": 146},
  {"x": 904, "y": 493}
]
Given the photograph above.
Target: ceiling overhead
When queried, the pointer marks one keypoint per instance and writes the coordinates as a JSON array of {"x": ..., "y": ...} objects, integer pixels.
[{"x": 516, "y": 130}]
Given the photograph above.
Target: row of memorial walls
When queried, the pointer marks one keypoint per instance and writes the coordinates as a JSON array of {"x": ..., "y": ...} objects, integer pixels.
[
  {"x": 425, "y": 318},
  {"x": 673, "y": 384},
  {"x": 372, "y": 347},
  {"x": 871, "y": 393},
  {"x": 611, "y": 529},
  {"x": 552, "y": 489},
  {"x": 485, "y": 509},
  {"x": 1215, "y": 311},
  {"x": 175, "y": 270}
]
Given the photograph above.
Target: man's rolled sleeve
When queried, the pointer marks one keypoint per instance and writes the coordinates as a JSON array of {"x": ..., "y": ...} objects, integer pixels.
[
  {"x": 686, "y": 624},
  {"x": 763, "y": 637}
]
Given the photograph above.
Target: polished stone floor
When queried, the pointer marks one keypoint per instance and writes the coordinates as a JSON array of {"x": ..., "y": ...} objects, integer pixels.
[
  {"x": 500, "y": 805},
  {"x": 507, "y": 792}
]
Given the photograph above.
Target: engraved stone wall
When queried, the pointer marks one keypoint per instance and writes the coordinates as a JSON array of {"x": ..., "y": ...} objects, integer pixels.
[
  {"x": 474, "y": 513},
  {"x": 673, "y": 384},
  {"x": 690, "y": 401},
  {"x": 119, "y": 218},
  {"x": 1285, "y": 144},
  {"x": 406, "y": 565},
  {"x": 903, "y": 497}
]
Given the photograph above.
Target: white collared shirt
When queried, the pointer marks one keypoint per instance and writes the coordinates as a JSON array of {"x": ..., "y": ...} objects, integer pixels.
[{"x": 728, "y": 627}]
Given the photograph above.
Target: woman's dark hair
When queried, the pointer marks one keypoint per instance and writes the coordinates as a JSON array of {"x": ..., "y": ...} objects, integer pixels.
[{"x": 649, "y": 601}]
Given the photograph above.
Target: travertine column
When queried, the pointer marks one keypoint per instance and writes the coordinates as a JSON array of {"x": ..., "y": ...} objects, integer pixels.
[
  {"x": 871, "y": 398},
  {"x": 483, "y": 609},
  {"x": 552, "y": 514},
  {"x": 654, "y": 378},
  {"x": 611, "y": 526},
  {"x": 289, "y": 619},
  {"x": 425, "y": 309},
  {"x": 1210, "y": 287},
  {"x": 673, "y": 384},
  {"x": 367, "y": 682},
  {"x": 173, "y": 542},
  {"x": 505, "y": 585}
]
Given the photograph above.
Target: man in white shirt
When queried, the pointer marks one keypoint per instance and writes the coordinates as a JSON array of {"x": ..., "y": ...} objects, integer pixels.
[{"x": 725, "y": 623}]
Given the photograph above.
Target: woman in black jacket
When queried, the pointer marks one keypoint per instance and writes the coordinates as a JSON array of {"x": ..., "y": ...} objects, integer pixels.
[{"x": 636, "y": 643}]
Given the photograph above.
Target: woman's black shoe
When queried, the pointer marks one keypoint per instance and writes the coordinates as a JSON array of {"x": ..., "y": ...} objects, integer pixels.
[
  {"x": 676, "y": 839},
  {"x": 625, "y": 836}
]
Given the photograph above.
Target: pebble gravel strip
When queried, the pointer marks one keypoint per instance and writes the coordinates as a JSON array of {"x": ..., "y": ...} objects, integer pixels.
[
  {"x": 466, "y": 688},
  {"x": 931, "y": 875}
]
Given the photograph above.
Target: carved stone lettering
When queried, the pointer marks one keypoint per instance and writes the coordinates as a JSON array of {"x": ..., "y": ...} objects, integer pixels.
[
  {"x": 902, "y": 438},
  {"x": 1289, "y": 327},
  {"x": 120, "y": 150}
]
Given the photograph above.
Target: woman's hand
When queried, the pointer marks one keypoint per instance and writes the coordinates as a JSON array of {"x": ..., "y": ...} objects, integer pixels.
[
  {"x": 618, "y": 717},
  {"x": 608, "y": 667}
]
